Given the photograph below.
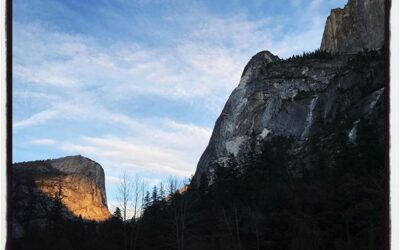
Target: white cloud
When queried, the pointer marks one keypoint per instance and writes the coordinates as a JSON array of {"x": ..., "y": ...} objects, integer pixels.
[
  {"x": 63, "y": 110},
  {"x": 42, "y": 141},
  {"x": 82, "y": 107},
  {"x": 204, "y": 67},
  {"x": 112, "y": 180},
  {"x": 35, "y": 119},
  {"x": 46, "y": 73},
  {"x": 35, "y": 97},
  {"x": 172, "y": 149},
  {"x": 208, "y": 61},
  {"x": 75, "y": 78}
]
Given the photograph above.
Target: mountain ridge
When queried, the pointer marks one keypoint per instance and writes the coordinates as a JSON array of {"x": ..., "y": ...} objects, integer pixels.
[{"x": 298, "y": 96}]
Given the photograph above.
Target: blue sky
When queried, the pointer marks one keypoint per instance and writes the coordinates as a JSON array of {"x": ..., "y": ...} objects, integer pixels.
[{"x": 137, "y": 85}]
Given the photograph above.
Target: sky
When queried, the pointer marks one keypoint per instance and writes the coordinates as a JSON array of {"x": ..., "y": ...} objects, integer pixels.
[{"x": 137, "y": 85}]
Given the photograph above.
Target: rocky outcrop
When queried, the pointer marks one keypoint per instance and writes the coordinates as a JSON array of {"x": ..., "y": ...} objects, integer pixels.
[
  {"x": 359, "y": 25},
  {"x": 76, "y": 182},
  {"x": 299, "y": 99},
  {"x": 81, "y": 169},
  {"x": 307, "y": 98}
]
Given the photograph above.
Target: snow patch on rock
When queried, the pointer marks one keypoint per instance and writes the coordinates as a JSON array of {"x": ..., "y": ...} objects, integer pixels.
[
  {"x": 353, "y": 132},
  {"x": 375, "y": 97},
  {"x": 233, "y": 146},
  {"x": 265, "y": 133}
]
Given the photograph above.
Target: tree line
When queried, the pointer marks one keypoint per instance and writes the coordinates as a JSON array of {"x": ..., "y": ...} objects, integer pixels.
[
  {"x": 335, "y": 202},
  {"x": 332, "y": 196}
]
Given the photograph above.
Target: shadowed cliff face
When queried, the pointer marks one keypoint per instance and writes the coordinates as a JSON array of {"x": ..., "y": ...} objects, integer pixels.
[
  {"x": 300, "y": 98},
  {"x": 297, "y": 99},
  {"x": 76, "y": 182},
  {"x": 360, "y": 24}
]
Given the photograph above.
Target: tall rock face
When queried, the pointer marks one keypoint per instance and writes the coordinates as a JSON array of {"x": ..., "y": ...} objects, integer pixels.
[
  {"x": 307, "y": 98},
  {"x": 360, "y": 24},
  {"x": 73, "y": 185}
]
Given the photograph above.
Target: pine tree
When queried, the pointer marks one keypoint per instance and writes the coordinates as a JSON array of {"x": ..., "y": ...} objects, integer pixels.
[
  {"x": 117, "y": 214},
  {"x": 147, "y": 200},
  {"x": 154, "y": 195},
  {"x": 161, "y": 192}
]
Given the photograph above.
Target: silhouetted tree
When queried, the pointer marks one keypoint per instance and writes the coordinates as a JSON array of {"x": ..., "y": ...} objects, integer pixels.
[{"x": 117, "y": 214}]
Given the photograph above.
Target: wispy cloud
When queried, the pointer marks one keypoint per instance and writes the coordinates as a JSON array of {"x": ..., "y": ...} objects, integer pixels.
[
  {"x": 63, "y": 110},
  {"x": 171, "y": 149},
  {"x": 42, "y": 141},
  {"x": 205, "y": 65},
  {"x": 38, "y": 118},
  {"x": 90, "y": 80}
]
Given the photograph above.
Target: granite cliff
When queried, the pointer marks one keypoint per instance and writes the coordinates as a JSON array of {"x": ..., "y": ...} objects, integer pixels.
[
  {"x": 310, "y": 97},
  {"x": 359, "y": 25},
  {"x": 296, "y": 160},
  {"x": 76, "y": 182}
]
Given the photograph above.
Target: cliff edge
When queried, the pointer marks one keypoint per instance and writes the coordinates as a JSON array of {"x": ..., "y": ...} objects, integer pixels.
[
  {"x": 72, "y": 187},
  {"x": 359, "y": 25}
]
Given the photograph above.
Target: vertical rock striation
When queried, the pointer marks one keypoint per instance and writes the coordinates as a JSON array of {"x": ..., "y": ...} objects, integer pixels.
[
  {"x": 360, "y": 24},
  {"x": 302, "y": 97},
  {"x": 74, "y": 181}
]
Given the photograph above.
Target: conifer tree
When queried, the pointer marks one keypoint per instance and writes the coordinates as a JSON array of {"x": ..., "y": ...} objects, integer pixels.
[
  {"x": 154, "y": 195},
  {"x": 161, "y": 192},
  {"x": 147, "y": 200},
  {"x": 117, "y": 214}
]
